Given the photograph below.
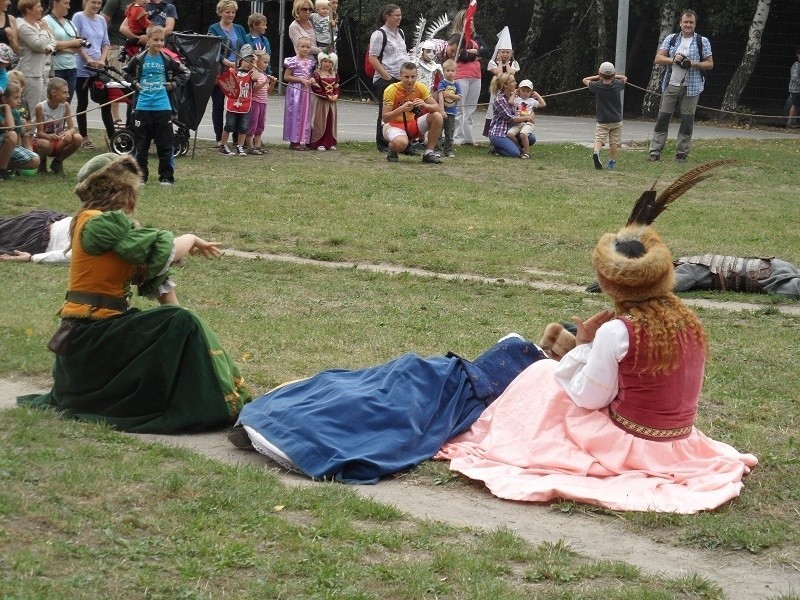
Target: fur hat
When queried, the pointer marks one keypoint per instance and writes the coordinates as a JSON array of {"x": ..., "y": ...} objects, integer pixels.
[
  {"x": 633, "y": 264},
  {"x": 105, "y": 174},
  {"x": 331, "y": 57}
]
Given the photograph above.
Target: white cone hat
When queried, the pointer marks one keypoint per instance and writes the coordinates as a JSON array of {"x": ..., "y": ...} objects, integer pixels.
[{"x": 503, "y": 42}]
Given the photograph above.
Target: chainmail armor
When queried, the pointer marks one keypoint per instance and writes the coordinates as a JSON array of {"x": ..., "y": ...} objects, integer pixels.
[{"x": 732, "y": 273}]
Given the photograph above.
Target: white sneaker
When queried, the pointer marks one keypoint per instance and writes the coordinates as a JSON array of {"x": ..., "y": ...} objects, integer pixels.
[
  {"x": 321, "y": 148},
  {"x": 241, "y": 151},
  {"x": 223, "y": 149},
  {"x": 332, "y": 148}
]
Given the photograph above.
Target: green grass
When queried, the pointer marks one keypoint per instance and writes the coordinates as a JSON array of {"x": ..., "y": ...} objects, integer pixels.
[
  {"x": 89, "y": 497},
  {"x": 146, "y": 520}
]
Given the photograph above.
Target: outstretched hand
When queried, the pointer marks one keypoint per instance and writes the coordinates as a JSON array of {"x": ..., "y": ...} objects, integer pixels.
[
  {"x": 207, "y": 249},
  {"x": 588, "y": 329},
  {"x": 190, "y": 244}
]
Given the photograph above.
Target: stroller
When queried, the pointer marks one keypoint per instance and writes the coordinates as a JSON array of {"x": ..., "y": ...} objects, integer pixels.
[{"x": 108, "y": 84}]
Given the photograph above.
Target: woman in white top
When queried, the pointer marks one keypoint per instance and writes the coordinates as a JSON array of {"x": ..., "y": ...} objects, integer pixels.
[
  {"x": 36, "y": 44},
  {"x": 91, "y": 27},
  {"x": 302, "y": 25},
  {"x": 386, "y": 59},
  {"x": 68, "y": 43}
]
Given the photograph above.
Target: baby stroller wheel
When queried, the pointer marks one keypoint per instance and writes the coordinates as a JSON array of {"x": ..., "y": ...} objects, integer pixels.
[
  {"x": 180, "y": 147},
  {"x": 122, "y": 141},
  {"x": 181, "y": 144}
]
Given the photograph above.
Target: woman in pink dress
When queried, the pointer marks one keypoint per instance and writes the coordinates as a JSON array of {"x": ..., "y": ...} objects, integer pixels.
[
  {"x": 298, "y": 73},
  {"x": 612, "y": 423}
]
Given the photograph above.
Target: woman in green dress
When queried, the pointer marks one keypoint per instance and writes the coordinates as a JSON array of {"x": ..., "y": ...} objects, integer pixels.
[{"x": 153, "y": 371}]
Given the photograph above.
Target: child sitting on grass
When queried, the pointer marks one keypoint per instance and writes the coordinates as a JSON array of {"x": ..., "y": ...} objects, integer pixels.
[
  {"x": 12, "y": 154},
  {"x": 56, "y": 135}
]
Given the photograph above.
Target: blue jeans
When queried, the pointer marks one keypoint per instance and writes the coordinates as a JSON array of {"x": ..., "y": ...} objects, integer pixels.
[
  {"x": 505, "y": 147},
  {"x": 71, "y": 77}
]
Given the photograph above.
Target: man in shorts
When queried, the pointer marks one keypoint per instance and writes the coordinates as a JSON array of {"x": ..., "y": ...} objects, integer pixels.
[{"x": 409, "y": 112}]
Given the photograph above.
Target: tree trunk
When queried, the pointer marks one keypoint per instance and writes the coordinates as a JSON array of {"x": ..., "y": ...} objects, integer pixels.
[
  {"x": 525, "y": 54},
  {"x": 653, "y": 96},
  {"x": 602, "y": 33},
  {"x": 742, "y": 75}
]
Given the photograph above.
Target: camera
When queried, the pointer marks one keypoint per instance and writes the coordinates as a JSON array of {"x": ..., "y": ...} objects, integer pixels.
[
  {"x": 418, "y": 112},
  {"x": 85, "y": 43},
  {"x": 684, "y": 63}
]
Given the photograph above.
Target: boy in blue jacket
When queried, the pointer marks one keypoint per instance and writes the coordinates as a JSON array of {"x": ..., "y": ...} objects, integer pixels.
[{"x": 156, "y": 76}]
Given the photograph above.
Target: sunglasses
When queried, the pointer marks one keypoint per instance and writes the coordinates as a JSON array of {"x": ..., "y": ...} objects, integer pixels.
[{"x": 306, "y": 9}]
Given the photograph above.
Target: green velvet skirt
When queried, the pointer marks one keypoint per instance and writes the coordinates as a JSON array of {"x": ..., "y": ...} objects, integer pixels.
[{"x": 154, "y": 371}]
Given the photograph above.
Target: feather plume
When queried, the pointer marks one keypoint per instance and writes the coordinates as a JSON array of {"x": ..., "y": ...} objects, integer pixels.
[
  {"x": 418, "y": 29},
  {"x": 648, "y": 206},
  {"x": 437, "y": 26}
]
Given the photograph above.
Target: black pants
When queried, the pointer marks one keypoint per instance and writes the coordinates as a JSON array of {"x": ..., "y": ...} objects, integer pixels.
[
  {"x": 380, "y": 86},
  {"x": 82, "y": 93},
  {"x": 155, "y": 125},
  {"x": 218, "y": 115}
]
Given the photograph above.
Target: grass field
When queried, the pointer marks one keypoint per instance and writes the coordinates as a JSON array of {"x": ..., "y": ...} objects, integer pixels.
[{"x": 124, "y": 519}]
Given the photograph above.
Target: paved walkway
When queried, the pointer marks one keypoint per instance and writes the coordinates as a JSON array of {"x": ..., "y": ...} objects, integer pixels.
[{"x": 357, "y": 123}]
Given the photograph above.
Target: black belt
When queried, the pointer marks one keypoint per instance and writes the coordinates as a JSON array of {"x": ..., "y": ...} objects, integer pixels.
[{"x": 98, "y": 300}]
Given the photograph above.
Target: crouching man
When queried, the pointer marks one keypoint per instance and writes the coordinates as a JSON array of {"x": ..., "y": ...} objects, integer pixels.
[{"x": 409, "y": 112}]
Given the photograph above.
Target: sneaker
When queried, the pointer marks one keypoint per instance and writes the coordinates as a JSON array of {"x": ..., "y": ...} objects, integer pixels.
[
  {"x": 166, "y": 181},
  {"x": 223, "y": 149},
  {"x": 431, "y": 158},
  {"x": 450, "y": 154},
  {"x": 680, "y": 157},
  {"x": 332, "y": 148},
  {"x": 4, "y": 174},
  {"x": 391, "y": 156},
  {"x": 42, "y": 170},
  {"x": 321, "y": 148},
  {"x": 241, "y": 151},
  {"x": 654, "y": 157},
  {"x": 57, "y": 167},
  {"x": 612, "y": 164},
  {"x": 409, "y": 151},
  {"x": 597, "y": 163}
]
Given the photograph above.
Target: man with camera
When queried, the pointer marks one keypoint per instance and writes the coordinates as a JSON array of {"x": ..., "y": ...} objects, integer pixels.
[
  {"x": 686, "y": 55},
  {"x": 409, "y": 112}
]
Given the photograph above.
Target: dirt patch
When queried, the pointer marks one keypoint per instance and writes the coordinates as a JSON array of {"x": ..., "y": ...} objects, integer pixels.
[{"x": 740, "y": 576}]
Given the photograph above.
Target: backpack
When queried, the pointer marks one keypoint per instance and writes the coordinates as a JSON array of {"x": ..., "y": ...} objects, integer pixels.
[
  {"x": 369, "y": 70},
  {"x": 698, "y": 40}
]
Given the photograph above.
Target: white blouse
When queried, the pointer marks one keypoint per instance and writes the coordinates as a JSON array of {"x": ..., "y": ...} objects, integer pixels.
[{"x": 589, "y": 373}]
